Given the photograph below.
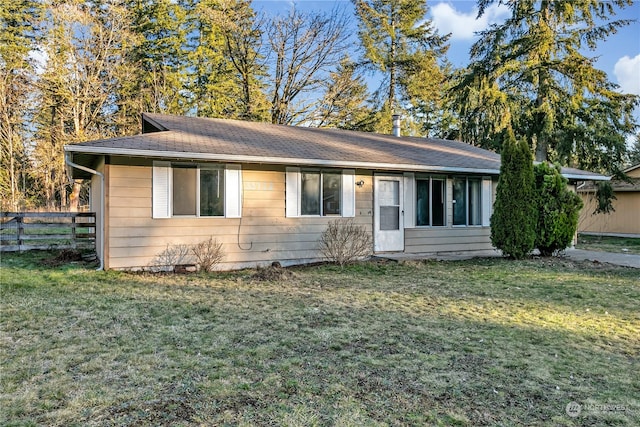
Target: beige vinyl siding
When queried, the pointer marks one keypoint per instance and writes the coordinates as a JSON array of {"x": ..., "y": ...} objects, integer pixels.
[
  {"x": 446, "y": 239},
  {"x": 95, "y": 200},
  {"x": 261, "y": 236},
  {"x": 449, "y": 238},
  {"x": 624, "y": 220}
]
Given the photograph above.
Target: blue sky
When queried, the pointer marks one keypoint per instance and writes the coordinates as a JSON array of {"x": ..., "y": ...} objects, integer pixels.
[{"x": 618, "y": 56}]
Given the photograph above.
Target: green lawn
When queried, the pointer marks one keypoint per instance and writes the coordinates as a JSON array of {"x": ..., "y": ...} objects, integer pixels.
[
  {"x": 623, "y": 245},
  {"x": 481, "y": 342}
]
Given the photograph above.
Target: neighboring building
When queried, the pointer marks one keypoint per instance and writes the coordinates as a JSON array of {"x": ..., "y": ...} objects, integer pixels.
[
  {"x": 268, "y": 191},
  {"x": 626, "y": 217}
]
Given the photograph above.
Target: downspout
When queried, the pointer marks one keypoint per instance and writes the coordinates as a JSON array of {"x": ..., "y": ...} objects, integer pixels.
[{"x": 68, "y": 162}]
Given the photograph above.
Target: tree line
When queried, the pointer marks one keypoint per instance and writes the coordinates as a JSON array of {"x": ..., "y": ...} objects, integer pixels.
[{"x": 72, "y": 71}]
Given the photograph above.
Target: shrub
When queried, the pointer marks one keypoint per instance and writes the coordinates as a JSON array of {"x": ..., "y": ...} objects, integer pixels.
[
  {"x": 208, "y": 254},
  {"x": 558, "y": 210},
  {"x": 171, "y": 256},
  {"x": 513, "y": 219},
  {"x": 344, "y": 242}
]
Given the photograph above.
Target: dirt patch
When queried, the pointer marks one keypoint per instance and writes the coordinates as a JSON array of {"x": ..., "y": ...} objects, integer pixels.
[
  {"x": 274, "y": 273},
  {"x": 68, "y": 256}
]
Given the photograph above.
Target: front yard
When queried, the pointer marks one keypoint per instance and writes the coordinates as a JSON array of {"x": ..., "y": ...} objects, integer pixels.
[{"x": 481, "y": 342}]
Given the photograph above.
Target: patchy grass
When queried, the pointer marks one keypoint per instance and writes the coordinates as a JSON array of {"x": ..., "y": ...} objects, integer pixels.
[
  {"x": 628, "y": 245},
  {"x": 481, "y": 342}
]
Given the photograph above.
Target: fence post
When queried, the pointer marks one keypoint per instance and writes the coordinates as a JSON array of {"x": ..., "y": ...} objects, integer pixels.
[
  {"x": 73, "y": 232},
  {"x": 20, "y": 231}
]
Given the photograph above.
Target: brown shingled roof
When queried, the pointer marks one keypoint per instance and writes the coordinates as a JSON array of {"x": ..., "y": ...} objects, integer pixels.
[{"x": 249, "y": 142}]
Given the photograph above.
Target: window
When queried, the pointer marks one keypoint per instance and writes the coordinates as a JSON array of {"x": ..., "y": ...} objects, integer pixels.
[
  {"x": 196, "y": 190},
  {"x": 211, "y": 192},
  {"x": 467, "y": 201},
  {"x": 430, "y": 202},
  {"x": 321, "y": 193}
]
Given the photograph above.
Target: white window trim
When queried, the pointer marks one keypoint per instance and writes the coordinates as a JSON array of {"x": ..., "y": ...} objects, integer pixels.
[
  {"x": 162, "y": 190},
  {"x": 487, "y": 201},
  {"x": 293, "y": 194}
]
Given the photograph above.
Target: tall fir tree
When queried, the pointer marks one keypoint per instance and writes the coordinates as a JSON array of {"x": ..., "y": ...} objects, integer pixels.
[
  {"x": 159, "y": 54},
  {"x": 18, "y": 38},
  {"x": 533, "y": 66},
  {"x": 513, "y": 220},
  {"x": 243, "y": 31},
  {"x": 210, "y": 80},
  {"x": 344, "y": 103},
  {"x": 402, "y": 44}
]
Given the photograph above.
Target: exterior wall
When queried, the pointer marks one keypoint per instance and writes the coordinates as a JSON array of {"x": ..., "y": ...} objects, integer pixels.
[
  {"x": 624, "y": 220},
  {"x": 449, "y": 238},
  {"x": 261, "y": 236},
  {"x": 95, "y": 205}
]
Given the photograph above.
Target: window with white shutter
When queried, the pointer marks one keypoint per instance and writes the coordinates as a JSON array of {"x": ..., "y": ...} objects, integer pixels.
[
  {"x": 320, "y": 193},
  {"x": 204, "y": 190}
]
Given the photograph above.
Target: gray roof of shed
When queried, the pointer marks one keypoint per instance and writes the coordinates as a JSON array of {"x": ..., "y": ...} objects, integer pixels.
[{"x": 205, "y": 139}]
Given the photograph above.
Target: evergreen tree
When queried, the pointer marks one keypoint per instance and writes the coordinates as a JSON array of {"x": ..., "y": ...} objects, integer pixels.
[
  {"x": 558, "y": 210},
  {"x": 208, "y": 79},
  {"x": 634, "y": 153},
  {"x": 243, "y": 36},
  {"x": 400, "y": 43},
  {"x": 18, "y": 37},
  {"x": 159, "y": 54},
  {"x": 514, "y": 216},
  {"x": 532, "y": 66},
  {"x": 343, "y": 105}
]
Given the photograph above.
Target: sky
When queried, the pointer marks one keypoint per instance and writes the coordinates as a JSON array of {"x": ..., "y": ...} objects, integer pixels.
[{"x": 618, "y": 56}]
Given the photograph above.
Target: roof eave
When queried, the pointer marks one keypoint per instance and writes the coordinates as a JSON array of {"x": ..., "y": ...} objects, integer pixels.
[
  {"x": 234, "y": 158},
  {"x": 594, "y": 177}
]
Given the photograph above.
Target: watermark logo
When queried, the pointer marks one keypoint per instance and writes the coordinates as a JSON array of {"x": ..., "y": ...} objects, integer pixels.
[{"x": 573, "y": 409}]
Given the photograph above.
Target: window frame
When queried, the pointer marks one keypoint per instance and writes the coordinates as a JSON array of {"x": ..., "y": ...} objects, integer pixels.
[
  {"x": 321, "y": 173},
  {"x": 198, "y": 167},
  {"x": 430, "y": 179},
  {"x": 163, "y": 187},
  {"x": 467, "y": 209},
  {"x": 293, "y": 190}
]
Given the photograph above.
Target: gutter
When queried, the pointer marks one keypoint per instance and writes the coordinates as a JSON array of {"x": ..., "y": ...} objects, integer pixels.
[{"x": 68, "y": 162}]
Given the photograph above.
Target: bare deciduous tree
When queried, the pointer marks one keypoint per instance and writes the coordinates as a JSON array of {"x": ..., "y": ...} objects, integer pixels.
[{"x": 303, "y": 48}]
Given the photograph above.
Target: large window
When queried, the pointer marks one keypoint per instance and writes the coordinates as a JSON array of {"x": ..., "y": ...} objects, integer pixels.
[
  {"x": 198, "y": 191},
  {"x": 321, "y": 193},
  {"x": 430, "y": 202},
  {"x": 467, "y": 201},
  {"x": 203, "y": 190}
]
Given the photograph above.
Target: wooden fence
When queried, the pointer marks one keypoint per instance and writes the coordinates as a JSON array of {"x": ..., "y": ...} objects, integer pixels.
[{"x": 23, "y": 231}]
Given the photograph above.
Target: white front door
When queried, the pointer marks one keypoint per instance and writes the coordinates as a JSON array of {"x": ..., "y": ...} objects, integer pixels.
[{"x": 388, "y": 214}]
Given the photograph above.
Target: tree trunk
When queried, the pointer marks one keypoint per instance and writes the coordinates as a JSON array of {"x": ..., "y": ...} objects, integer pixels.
[{"x": 74, "y": 197}]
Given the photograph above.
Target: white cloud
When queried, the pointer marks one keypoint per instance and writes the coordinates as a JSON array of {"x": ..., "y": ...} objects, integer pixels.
[
  {"x": 463, "y": 26},
  {"x": 627, "y": 71}
]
